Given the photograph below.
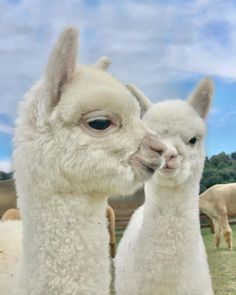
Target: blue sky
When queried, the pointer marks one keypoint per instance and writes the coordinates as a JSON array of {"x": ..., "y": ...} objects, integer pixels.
[{"x": 164, "y": 47}]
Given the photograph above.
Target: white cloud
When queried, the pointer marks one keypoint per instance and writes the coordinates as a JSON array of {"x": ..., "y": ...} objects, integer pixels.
[{"x": 155, "y": 44}]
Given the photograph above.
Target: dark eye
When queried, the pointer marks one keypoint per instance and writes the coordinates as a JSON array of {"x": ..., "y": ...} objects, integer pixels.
[
  {"x": 193, "y": 140},
  {"x": 100, "y": 124}
]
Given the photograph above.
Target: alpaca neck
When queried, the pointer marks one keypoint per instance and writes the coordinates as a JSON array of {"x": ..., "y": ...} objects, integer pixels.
[
  {"x": 169, "y": 198},
  {"x": 63, "y": 237},
  {"x": 171, "y": 206}
]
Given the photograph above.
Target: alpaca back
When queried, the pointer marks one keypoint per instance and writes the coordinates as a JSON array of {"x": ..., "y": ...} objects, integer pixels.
[{"x": 10, "y": 253}]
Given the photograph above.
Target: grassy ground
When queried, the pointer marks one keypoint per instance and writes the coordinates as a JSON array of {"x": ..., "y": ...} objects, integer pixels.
[{"x": 222, "y": 264}]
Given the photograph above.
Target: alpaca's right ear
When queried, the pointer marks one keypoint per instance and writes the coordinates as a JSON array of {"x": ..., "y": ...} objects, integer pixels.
[
  {"x": 61, "y": 66},
  {"x": 201, "y": 97},
  {"x": 142, "y": 99}
]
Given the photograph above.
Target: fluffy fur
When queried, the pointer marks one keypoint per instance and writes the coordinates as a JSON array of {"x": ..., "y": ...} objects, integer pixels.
[
  {"x": 162, "y": 251},
  {"x": 219, "y": 202},
  {"x": 65, "y": 168}
]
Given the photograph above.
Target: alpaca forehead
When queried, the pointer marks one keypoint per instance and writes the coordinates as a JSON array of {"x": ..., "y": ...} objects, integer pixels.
[
  {"x": 96, "y": 90},
  {"x": 173, "y": 118}
]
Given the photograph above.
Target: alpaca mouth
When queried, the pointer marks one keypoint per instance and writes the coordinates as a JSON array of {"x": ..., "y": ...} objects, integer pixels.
[
  {"x": 144, "y": 169},
  {"x": 149, "y": 169},
  {"x": 168, "y": 169},
  {"x": 167, "y": 166}
]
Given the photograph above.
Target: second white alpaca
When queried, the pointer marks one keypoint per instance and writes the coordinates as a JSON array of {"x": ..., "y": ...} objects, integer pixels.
[{"x": 162, "y": 251}]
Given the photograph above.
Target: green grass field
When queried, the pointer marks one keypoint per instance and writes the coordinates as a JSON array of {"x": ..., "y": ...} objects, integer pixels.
[{"x": 222, "y": 264}]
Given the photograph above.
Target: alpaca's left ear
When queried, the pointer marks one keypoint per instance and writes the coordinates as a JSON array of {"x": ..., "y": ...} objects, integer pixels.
[
  {"x": 61, "y": 66},
  {"x": 103, "y": 63},
  {"x": 201, "y": 97},
  {"x": 142, "y": 99}
]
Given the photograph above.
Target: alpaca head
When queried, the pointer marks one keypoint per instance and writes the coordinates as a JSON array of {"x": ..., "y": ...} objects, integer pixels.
[
  {"x": 81, "y": 127},
  {"x": 180, "y": 125}
]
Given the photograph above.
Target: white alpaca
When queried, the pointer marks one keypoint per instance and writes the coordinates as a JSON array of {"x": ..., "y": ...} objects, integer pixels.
[
  {"x": 78, "y": 139},
  {"x": 162, "y": 251}
]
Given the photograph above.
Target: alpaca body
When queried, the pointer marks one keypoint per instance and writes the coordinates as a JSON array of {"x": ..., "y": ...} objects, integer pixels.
[
  {"x": 49, "y": 254},
  {"x": 219, "y": 203},
  {"x": 162, "y": 251},
  {"x": 69, "y": 255},
  {"x": 165, "y": 234}
]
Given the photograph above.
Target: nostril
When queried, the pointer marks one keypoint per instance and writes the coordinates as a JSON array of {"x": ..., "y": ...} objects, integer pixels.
[
  {"x": 159, "y": 149},
  {"x": 160, "y": 152},
  {"x": 172, "y": 156},
  {"x": 153, "y": 143}
]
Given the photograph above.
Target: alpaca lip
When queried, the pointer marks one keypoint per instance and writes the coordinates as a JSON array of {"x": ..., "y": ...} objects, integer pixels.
[
  {"x": 149, "y": 169},
  {"x": 168, "y": 168},
  {"x": 151, "y": 166}
]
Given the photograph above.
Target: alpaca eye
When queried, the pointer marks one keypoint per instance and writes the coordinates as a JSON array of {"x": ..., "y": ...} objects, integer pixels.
[
  {"x": 100, "y": 124},
  {"x": 193, "y": 140}
]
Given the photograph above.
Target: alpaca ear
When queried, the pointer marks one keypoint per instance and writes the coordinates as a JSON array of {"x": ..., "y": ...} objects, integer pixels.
[
  {"x": 142, "y": 99},
  {"x": 201, "y": 97},
  {"x": 61, "y": 66},
  {"x": 103, "y": 63}
]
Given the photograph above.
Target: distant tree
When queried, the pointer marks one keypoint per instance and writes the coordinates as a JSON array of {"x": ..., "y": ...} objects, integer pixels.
[
  {"x": 233, "y": 155},
  {"x": 5, "y": 175},
  {"x": 218, "y": 169}
]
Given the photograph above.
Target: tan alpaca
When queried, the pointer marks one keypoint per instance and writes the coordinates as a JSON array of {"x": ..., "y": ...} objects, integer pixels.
[
  {"x": 219, "y": 203},
  {"x": 111, "y": 227},
  {"x": 11, "y": 214}
]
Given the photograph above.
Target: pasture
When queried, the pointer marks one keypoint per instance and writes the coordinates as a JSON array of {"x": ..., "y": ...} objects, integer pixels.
[{"x": 222, "y": 264}]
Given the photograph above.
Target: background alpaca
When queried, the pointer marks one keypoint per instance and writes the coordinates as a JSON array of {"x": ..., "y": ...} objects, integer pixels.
[
  {"x": 82, "y": 127},
  {"x": 162, "y": 251},
  {"x": 111, "y": 227},
  {"x": 219, "y": 202},
  {"x": 11, "y": 214}
]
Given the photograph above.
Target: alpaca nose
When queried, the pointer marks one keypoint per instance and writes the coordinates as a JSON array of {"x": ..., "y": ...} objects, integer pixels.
[
  {"x": 155, "y": 145},
  {"x": 170, "y": 154}
]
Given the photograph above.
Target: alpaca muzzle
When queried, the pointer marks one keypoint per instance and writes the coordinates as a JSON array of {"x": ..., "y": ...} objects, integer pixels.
[{"x": 149, "y": 157}]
